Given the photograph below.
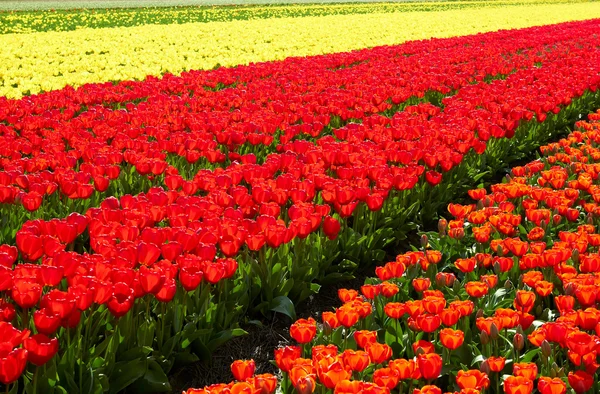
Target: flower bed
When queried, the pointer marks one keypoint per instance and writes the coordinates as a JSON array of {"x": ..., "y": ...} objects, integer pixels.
[
  {"x": 502, "y": 298},
  {"x": 161, "y": 274},
  {"x": 38, "y": 62}
]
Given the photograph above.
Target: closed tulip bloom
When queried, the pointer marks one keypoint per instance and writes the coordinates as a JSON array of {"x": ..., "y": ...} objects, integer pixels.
[
  {"x": 378, "y": 353},
  {"x": 450, "y": 316},
  {"x": 45, "y": 321},
  {"x": 430, "y": 365},
  {"x": 421, "y": 284},
  {"x": 121, "y": 301},
  {"x": 357, "y": 360},
  {"x": 517, "y": 385},
  {"x": 243, "y": 369},
  {"x": 496, "y": 363},
  {"x": 12, "y": 363},
  {"x": 347, "y": 315},
  {"x": 434, "y": 305},
  {"x": 581, "y": 381},
  {"x": 331, "y": 227},
  {"x": 40, "y": 349},
  {"x": 524, "y": 300}
]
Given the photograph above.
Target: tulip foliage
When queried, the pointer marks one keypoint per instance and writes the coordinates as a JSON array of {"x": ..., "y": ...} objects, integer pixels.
[
  {"x": 502, "y": 298},
  {"x": 143, "y": 220}
]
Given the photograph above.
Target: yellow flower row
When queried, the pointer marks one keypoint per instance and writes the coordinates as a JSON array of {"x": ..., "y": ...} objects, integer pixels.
[
  {"x": 30, "y": 63},
  {"x": 65, "y": 20}
]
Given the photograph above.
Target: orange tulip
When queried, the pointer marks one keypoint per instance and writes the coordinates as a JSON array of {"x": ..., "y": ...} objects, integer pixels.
[
  {"x": 306, "y": 385},
  {"x": 434, "y": 305},
  {"x": 476, "y": 289},
  {"x": 581, "y": 342},
  {"x": 464, "y": 307},
  {"x": 357, "y": 360},
  {"x": 551, "y": 386},
  {"x": 528, "y": 371},
  {"x": 389, "y": 289},
  {"x": 524, "y": 300},
  {"x": 330, "y": 373},
  {"x": 466, "y": 265},
  {"x": 428, "y": 322},
  {"x": 347, "y": 295},
  {"x": 331, "y": 319},
  {"x": 364, "y": 337},
  {"x": 243, "y": 369},
  {"x": 347, "y": 315},
  {"x": 472, "y": 379},
  {"x": 428, "y": 389},
  {"x": 301, "y": 368},
  {"x": 386, "y": 377},
  {"x": 378, "y": 352},
  {"x": 564, "y": 303},
  {"x": 425, "y": 346},
  {"x": 449, "y": 316},
  {"x": 406, "y": 368},
  {"x": 544, "y": 288},
  {"x": 490, "y": 280},
  {"x": 517, "y": 385},
  {"x": 395, "y": 310},
  {"x": 320, "y": 351},
  {"x": 421, "y": 284},
  {"x": 303, "y": 330},
  {"x": 242, "y": 388},
  {"x": 265, "y": 383},
  {"x": 496, "y": 363},
  {"x": 452, "y": 339},
  {"x": 348, "y": 387},
  {"x": 370, "y": 291},
  {"x": 285, "y": 356}
]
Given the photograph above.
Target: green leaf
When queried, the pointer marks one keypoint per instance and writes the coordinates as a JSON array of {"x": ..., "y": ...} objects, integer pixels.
[
  {"x": 153, "y": 381},
  {"x": 527, "y": 357},
  {"x": 145, "y": 335},
  {"x": 137, "y": 353},
  {"x": 225, "y": 336},
  {"x": 284, "y": 305},
  {"x": 125, "y": 373}
]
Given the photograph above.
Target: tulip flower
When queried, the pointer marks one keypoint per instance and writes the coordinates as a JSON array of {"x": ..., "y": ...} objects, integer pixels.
[
  {"x": 40, "y": 349},
  {"x": 430, "y": 365},
  {"x": 243, "y": 369}
]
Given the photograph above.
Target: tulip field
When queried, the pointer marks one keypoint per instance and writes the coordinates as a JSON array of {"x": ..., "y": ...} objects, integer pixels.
[{"x": 170, "y": 176}]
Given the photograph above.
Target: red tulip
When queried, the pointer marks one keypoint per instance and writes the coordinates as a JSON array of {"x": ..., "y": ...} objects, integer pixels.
[{"x": 40, "y": 349}]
